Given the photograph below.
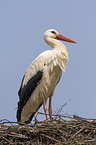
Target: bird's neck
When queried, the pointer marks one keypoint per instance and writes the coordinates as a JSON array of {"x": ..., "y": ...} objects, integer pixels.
[{"x": 56, "y": 44}]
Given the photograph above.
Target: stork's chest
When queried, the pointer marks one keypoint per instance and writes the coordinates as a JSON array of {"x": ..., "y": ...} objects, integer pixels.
[
  {"x": 51, "y": 78},
  {"x": 55, "y": 74}
]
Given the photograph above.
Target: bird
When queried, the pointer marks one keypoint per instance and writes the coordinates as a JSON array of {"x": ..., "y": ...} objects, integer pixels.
[{"x": 42, "y": 76}]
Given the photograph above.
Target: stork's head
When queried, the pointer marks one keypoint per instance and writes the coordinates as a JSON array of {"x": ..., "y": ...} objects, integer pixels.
[{"x": 51, "y": 34}]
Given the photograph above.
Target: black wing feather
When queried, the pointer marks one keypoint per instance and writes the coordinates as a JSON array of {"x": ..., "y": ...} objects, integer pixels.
[{"x": 25, "y": 93}]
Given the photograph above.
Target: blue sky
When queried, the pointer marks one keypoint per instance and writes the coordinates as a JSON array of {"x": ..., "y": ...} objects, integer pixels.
[{"x": 22, "y": 25}]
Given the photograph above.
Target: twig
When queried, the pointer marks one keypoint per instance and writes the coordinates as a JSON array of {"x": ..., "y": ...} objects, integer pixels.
[
  {"x": 18, "y": 136},
  {"x": 56, "y": 115},
  {"x": 78, "y": 132},
  {"x": 61, "y": 107},
  {"x": 50, "y": 137},
  {"x": 82, "y": 118},
  {"x": 81, "y": 129},
  {"x": 7, "y": 140},
  {"x": 90, "y": 140}
]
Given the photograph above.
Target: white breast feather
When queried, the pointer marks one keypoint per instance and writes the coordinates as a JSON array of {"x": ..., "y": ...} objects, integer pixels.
[{"x": 48, "y": 58}]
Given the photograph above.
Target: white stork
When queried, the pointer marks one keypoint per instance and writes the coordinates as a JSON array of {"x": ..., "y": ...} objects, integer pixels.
[{"x": 41, "y": 77}]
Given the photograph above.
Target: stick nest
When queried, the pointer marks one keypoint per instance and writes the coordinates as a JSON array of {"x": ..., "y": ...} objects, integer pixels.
[{"x": 77, "y": 130}]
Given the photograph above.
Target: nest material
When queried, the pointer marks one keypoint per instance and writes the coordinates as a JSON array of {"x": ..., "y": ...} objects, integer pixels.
[{"x": 59, "y": 131}]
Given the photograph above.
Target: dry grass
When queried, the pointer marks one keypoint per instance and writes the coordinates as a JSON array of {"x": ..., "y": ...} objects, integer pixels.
[{"x": 59, "y": 131}]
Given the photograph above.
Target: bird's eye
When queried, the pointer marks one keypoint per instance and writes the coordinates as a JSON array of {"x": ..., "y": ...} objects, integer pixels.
[{"x": 53, "y": 32}]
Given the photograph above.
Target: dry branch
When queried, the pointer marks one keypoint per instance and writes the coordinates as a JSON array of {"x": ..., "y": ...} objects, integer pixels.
[{"x": 78, "y": 130}]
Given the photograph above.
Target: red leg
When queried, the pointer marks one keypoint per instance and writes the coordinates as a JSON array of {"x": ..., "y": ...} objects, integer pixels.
[
  {"x": 50, "y": 110},
  {"x": 45, "y": 108}
]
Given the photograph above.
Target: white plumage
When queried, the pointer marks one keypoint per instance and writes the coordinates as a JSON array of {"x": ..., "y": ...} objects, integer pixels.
[{"x": 44, "y": 72}]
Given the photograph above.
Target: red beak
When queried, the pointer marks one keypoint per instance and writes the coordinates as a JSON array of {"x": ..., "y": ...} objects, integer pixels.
[{"x": 60, "y": 37}]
